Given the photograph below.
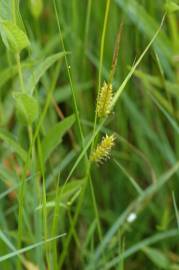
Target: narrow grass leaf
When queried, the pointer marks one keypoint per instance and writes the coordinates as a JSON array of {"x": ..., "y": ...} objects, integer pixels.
[
  {"x": 176, "y": 209},
  {"x": 157, "y": 257},
  {"x": 141, "y": 245},
  {"x": 115, "y": 99},
  {"x": 13, "y": 37},
  {"x": 70, "y": 192},
  {"x": 122, "y": 87},
  {"x": 23, "y": 250},
  {"x": 146, "y": 24},
  {"x": 131, "y": 179},
  {"x": 171, "y": 120},
  {"x": 39, "y": 70},
  {"x": 133, "y": 207}
]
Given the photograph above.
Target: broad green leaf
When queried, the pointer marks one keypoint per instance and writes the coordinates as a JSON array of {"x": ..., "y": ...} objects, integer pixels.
[
  {"x": 11, "y": 141},
  {"x": 9, "y": 11},
  {"x": 6, "y": 9},
  {"x": 40, "y": 69},
  {"x": 27, "y": 108},
  {"x": 157, "y": 257},
  {"x": 13, "y": 37},
  {"x": 6, "y": 74},
  {"x": 55, "y": 134},
  {"x": 171, "y": 7}
]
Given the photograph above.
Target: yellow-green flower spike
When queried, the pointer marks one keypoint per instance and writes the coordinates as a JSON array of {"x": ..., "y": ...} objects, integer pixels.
[
  {"x": 103, "y": 150},
  {"x": 103, "y": 107}
]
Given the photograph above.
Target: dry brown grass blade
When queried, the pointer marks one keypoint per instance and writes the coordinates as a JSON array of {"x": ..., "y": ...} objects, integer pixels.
[{"x": 116, "y": 51}]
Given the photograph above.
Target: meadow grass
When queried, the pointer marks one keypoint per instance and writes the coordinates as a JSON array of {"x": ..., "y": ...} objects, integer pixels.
[{"x": 89, "y": 134}]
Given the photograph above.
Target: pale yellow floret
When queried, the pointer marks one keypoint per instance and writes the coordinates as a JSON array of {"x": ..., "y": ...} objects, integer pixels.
[
  {"x": 104, "y": 100},
  {"x": 103, "y": 150}
]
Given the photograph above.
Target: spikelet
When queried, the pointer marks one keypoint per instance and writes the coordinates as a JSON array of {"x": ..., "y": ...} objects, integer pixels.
[
  {"x": 104, "y": 99},
  {"x": 103, "y": 150}
]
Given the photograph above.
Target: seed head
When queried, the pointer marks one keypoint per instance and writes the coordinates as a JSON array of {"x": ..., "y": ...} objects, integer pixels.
[
  {"x": 103, "y": 107},
  {"x": 103, "y": 150}
]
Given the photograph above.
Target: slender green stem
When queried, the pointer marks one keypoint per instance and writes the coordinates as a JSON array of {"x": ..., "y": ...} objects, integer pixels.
[
  {"x": 20, "y": 72},
  {"x": 54, "y": 225},
  {"x": 95, "y": 120},
  {"x": 87, "y": 162},
  {"x": 87, "y": 20},
  {"x": 22, "y": 187},
  {"x": 69, "y": 76},
  {"x": 103, "y": 43},
  {"x": 44, "y": 200},
  {"x": 87, "y": 28},
  {"x": 101, "y": 62},
  {"x": 88, "y": 177},
  {"x": 96, "y": 131}
]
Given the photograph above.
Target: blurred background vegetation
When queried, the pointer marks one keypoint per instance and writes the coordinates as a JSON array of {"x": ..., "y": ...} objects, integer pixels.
[{"x": 136, "y": 191}]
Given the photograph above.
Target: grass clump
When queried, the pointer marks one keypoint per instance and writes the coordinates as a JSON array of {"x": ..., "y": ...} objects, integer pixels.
[{"x": 58, "y": 210}]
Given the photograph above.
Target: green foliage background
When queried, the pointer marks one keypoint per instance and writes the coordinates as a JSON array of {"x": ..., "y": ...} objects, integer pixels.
[{"x": 122, "y": 214}]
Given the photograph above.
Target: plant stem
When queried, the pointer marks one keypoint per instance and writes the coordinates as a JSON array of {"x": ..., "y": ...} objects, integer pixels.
[{"x": 20, "y": 72}]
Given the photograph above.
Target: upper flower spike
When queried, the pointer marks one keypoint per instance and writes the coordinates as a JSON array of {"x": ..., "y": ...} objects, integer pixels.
[{"x": 104, "y": 100}]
